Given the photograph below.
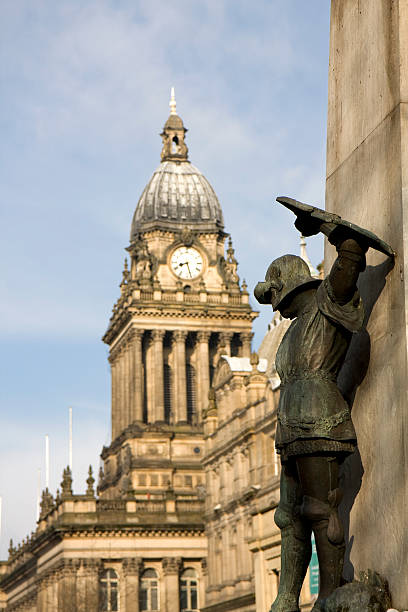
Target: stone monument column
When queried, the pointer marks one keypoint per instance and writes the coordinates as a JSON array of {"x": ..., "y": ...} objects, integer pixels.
[
  {"x": 131, "y": 573},
  {"x": 180, "y": 375},
  {"x": 367, "y": 183},
  {"x": 158, "y": 335},
  {"x": 137, "y": 399},
  {"x": 171, "y": 570},
  {"x": 204, "y": 373}
]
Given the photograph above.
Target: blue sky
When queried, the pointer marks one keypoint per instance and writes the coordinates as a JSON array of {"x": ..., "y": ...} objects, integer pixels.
[{"x": 84, "y": 94}]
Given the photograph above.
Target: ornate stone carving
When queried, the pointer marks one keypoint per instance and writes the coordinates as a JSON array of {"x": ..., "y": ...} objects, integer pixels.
[
  {"x": 203, "y": 336},
  {"x": 172, "y": 565},
  {"x": 144, "y": 263},
  {"x": 66, "y": 484},
  {"x": 132, "y": 566},
  {"x": 47, "y": 503},
  {"x": 90, "y": 481}
]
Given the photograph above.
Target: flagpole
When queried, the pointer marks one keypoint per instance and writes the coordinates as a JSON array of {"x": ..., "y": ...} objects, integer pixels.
[{"x": 70, "y": 438}]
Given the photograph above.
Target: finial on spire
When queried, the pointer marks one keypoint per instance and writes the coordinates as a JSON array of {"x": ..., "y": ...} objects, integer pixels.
[{"x": 172, "y": 102}]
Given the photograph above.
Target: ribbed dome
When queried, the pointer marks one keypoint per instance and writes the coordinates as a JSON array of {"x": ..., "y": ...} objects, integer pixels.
[{"x": 178, "y": 194}]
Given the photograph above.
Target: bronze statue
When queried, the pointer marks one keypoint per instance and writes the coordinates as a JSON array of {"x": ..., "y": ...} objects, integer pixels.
[{"x": 314, "y": 431}]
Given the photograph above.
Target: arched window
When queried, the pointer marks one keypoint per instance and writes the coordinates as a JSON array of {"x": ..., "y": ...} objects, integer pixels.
[
  {"x": 191, "y": 394},
  {"x": 149, "y": 590},
  {"x": 189, "y": 591},
  {"x": 109, "y": 591},
  {"x": 167, "y": 392}
]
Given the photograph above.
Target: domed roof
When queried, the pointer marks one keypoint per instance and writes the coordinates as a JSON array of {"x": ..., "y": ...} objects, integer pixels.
[{"x": 178, "y": 194}]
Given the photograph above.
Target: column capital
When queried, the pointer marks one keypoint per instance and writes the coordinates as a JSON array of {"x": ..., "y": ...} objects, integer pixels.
[
  {"x": 226, "y": 336},
  {"x": 172, "y": 565},
  {"x": 138, "y": 334},
  {"x": 203, "y": 336},
  {"x": 180, "y": 335},
  {"x": 132, "y": 566},
  {"x": 246, "y": 336},
  {"x": 158, "y": 334}
]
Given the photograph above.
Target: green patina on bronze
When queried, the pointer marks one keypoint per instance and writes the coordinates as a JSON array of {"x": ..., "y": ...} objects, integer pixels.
[{"x": 314, "y": 431}]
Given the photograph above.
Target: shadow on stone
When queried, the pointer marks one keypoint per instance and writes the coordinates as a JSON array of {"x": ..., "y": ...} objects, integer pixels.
[{"x": 353, "y": 372}]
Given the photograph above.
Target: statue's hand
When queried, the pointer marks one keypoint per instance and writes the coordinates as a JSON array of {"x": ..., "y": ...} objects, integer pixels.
[{"x": 307, "y": 225}]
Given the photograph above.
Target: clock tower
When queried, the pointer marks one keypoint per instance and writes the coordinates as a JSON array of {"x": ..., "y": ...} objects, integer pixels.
[{"x": 181, "y": 306}]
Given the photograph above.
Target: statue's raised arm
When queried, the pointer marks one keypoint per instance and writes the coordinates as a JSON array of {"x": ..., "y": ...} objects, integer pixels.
[{"x": 350, "y": 240}]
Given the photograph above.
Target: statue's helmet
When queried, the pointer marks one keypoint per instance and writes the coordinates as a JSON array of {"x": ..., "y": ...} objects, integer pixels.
[{"x": 285, "y": 275}]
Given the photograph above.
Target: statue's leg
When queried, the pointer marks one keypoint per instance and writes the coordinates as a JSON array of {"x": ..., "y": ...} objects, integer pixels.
[
  {"x": 296, "y": 546},
  {"x": 319, "y": 481}
]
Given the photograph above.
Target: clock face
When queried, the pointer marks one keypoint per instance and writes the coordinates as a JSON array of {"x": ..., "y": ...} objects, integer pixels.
[{"x": 186, "y": 262}]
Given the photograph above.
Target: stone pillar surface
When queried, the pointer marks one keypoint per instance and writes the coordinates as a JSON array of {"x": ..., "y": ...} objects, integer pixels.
[
  {"x": 246, "y": 339},
  {"x": 122, "y": 391},
  {"x": 149, "y": 378},
  {"x": 158, "y": 335},
  {"x": 367, "y": 183},
  {"x": 126, "y": 383},
  {"x": 203, "y": 338},
  {"x": 67, "y": 587},
  {"x": 113, "y": 399},
  {"x": 137, "y": 374},
  {"x": 171, "y": 571},
  {"x": 131, "y": 573},
  {"x": 225, "y": 342},
  {"x": 180, "y": 375}
]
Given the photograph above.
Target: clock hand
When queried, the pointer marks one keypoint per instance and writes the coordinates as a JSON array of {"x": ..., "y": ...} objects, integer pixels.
[{"x": 191, "y": 276}]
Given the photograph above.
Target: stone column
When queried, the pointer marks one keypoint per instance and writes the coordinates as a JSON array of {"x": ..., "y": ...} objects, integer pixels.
[
  {"x": 131, "y": 573},
  {"x": 114, "y": 403},
  {"x": 180, "y": 386},
  {"x": 225, "y": 343},
  {"x": 149, "y": 378},
  {"x": 87, "y": 591},
  {"x": 67, "y": 586},
  {"x": 204, "y": 372},
  {"x": 367, "y": 183},
  {"x": 121, "y": 389},
  {"x": 246, "y": 339},
  {"x": 127, "y": 389},
  {"x": 137, "y": 375},
  {"x": 171, "y": 571},
  {"x": 158, "y": 335}
]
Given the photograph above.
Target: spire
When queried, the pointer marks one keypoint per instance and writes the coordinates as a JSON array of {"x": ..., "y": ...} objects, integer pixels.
[
  {"x": 174, "y": 147},
  {"x": 172, "y": 102},
  {"x": 305, "y": 257}
]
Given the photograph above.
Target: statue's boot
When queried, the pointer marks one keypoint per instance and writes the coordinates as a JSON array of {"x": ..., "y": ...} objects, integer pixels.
[
  {"x": 329, "y": 537},
  {"x": 296, "y": 551}
]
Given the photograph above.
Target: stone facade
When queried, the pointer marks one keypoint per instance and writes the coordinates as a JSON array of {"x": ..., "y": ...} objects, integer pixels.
[{"x": 138, "y": 543}]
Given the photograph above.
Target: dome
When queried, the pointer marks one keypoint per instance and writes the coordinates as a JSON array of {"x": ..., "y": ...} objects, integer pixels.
[{"x": 177, "y": 195}]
